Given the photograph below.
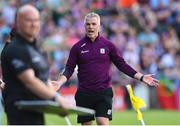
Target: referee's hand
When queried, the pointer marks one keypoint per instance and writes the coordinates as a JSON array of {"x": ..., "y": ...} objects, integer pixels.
[
  {"x": 54, "y": 85},
  {"x": 148, "y": 79}
]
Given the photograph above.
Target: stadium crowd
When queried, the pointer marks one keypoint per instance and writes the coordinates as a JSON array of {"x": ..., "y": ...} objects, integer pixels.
[{"x": 147, "y": 33}]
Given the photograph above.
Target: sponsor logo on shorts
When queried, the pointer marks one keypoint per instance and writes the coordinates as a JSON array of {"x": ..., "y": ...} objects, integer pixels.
[{"x": 109, "y": 111}]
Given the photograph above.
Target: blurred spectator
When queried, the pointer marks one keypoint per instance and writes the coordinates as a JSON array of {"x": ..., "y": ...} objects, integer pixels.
[
  {"x": 9, "y": 11},
  {"x": 156, "y": 3},
  {"x": 126, "y": 3},
  {"x": 4, "y": 32},
  {"x": 147, "y": 36},
  {"x": 162, "y": 14},
  {"x": 148, "y": 65},
  {"x": 176, "y": 73}
]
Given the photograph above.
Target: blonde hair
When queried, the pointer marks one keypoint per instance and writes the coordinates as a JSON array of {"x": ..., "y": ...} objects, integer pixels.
[{"x": 90, "y": 15}]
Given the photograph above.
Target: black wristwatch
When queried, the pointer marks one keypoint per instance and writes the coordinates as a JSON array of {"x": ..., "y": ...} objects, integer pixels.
[{"x": 142, "y": 77}]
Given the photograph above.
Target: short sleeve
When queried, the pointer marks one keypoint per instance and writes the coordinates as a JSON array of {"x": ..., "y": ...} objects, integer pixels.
[{"x": 18, "y": 61}]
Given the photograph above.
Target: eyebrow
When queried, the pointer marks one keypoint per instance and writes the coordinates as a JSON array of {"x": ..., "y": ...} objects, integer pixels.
[{"x": 91, "y": 23}]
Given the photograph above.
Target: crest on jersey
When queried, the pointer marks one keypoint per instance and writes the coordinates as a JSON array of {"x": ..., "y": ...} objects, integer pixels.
[{"x": 102, "y": 50}]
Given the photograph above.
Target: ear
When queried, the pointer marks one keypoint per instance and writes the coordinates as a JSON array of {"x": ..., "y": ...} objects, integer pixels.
[{"x": 99, "y": 29}]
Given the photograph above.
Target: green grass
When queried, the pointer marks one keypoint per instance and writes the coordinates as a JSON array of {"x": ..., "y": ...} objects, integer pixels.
[{"x": 151, "y": 117}]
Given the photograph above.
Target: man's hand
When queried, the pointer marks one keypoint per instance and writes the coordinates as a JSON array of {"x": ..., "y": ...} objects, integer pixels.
[
  {"x": 64, "y": 103},
  {"x": 54, "y": 85},
  {"x": 148, "y": 79}
]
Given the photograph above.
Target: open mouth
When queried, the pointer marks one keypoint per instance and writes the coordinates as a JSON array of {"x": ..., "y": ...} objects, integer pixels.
[{"x": 90, "y": 31}]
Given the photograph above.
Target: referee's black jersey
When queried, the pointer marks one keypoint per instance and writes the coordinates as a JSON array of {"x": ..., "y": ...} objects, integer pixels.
[{"x": 17, "y": 57}]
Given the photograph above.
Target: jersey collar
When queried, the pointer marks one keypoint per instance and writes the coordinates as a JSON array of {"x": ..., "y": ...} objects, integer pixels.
[
  {"x": 96, "y": 40},
  {"x": 23, "y": 40}
]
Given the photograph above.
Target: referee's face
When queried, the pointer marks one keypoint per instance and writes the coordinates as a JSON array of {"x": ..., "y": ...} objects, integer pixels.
[{"x": 92, "y": 27}]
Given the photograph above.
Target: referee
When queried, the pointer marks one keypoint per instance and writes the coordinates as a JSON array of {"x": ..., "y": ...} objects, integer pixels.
[
  {"x": 25, "y": 70},
  {"x": 93, "y": 55}
]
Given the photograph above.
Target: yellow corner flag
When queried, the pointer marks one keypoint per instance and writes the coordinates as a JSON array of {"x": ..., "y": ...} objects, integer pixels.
[{"x": 137, "y": 103}]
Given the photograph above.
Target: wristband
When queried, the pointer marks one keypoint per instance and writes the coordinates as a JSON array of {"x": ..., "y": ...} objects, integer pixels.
[
  {"x": 141, "y": 79},
  {"x": 55, "y": 96}
]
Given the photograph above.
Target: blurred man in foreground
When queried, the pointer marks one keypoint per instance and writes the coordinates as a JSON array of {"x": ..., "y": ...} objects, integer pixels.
[{"x": 25, "y": 70}]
